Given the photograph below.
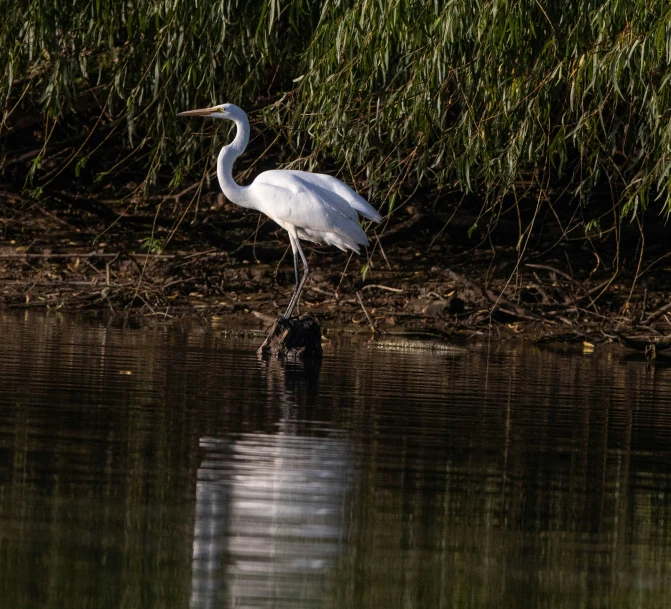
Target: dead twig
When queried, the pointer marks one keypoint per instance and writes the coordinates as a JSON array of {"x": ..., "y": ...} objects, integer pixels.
[
  {"x": 86, "y": 262},
  {"x": 546, "y": 267},
  {"x": 541, "y": 290},
  {"x": 645, "y": 302},
  {"x": 269, "y": 319},
  {"x": 107, "y": 268},
  {"x": 370, "y": 321},
  {"x": 381, "y": 287}
]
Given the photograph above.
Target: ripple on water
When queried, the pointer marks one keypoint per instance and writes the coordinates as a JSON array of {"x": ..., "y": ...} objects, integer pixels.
[{"x": 166, "y": 465}]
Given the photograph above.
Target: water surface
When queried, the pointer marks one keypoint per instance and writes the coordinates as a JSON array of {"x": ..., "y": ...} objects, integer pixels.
[{"x": 151, "y": 465}]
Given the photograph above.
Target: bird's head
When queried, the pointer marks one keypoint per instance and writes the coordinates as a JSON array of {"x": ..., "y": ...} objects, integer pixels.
[{"x": 229, "y": 111}]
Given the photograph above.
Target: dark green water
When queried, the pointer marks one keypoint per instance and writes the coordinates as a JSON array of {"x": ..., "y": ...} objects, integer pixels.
[{"x": 147, "y": 467}]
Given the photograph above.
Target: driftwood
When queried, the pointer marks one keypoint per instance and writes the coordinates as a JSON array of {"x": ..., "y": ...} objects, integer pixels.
[
  {"x": 653, "y": 348},
  {"x": 294, "y": 338}
]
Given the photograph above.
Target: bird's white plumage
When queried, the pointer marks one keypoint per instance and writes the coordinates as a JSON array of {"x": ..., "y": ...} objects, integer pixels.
[
  {"x": 311, "y": 206},
  {"x": 319, "y": 214},
  {"x": 326, "y": 182}
]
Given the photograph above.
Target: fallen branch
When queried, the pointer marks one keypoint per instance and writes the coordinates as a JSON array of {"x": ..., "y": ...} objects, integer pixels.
[{"x": 658, "y": 313}]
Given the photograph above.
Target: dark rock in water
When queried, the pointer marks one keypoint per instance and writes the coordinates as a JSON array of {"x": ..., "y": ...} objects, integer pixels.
[{"x": 297, "y": 337}]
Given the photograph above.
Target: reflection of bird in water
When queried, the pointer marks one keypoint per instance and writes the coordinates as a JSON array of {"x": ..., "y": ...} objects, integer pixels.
[
  {"x": 270, "y": 509},
  {"x": 292, "y": 386},
  {"x": 310, "y": 206},
  {"x": 269, "y": 519}
]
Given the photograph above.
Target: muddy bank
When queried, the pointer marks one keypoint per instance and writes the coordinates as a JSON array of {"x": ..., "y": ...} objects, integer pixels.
[{"x": 417, "y": 275}]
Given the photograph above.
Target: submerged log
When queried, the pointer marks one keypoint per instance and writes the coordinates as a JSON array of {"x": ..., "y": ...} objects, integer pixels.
[
  {"x": 654, "y": 348},
  {"x": 297, "y": 337}
]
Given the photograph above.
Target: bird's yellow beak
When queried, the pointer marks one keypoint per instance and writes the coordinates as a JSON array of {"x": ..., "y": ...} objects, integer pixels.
[{"x": 201, "y": 112}]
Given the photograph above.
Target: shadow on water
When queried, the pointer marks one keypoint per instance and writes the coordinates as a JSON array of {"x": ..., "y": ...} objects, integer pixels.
[{"x": 154, "y": 466}]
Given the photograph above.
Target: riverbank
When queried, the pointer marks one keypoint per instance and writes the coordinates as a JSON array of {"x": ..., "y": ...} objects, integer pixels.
[{"x": 414, "y": 278}]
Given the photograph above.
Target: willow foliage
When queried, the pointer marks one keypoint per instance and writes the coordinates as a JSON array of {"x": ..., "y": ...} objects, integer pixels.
[{"x": 480, "y": 95}]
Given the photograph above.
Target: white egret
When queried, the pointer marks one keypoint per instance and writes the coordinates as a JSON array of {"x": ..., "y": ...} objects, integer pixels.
[{"x": 311, "y": 206}]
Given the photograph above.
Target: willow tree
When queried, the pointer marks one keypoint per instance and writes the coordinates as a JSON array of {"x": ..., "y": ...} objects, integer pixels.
[{"x": 490, "y": 96}]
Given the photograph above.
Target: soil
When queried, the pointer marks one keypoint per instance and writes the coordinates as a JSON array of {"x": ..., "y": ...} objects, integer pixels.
[{"x": 423, "y": 273}]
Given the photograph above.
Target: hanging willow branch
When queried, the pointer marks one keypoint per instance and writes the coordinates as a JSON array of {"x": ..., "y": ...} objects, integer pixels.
[{"x": 483, "y": 95}]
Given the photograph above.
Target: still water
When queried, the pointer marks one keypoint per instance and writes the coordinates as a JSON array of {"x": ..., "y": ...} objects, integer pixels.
[{"x": 147, "y": 466}]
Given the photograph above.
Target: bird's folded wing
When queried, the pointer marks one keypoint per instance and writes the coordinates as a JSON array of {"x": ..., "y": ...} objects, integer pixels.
[
  {"x": 323, "y": 181},
  {"x": 307, "y": 206},
  {"x": 343, "y": 190}
]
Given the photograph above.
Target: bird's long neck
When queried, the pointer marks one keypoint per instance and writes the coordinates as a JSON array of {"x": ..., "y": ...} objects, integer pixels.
[{"x": 227, "y": 155}]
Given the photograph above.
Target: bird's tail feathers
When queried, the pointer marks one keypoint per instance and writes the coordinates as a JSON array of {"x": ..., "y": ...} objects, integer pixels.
[
  {"x": 345, "y": 242},
  {"x": 365, "y": 209}
]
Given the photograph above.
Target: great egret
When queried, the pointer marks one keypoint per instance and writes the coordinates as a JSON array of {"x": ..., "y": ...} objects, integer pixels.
[{"x": 311, "y": 206}]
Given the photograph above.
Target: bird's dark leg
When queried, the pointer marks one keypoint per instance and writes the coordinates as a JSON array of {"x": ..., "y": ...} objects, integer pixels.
[
  {"x": 296, "y": 275},
  {"x": 295, "y": 245},
  {"x": 292, "y": 302}
]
